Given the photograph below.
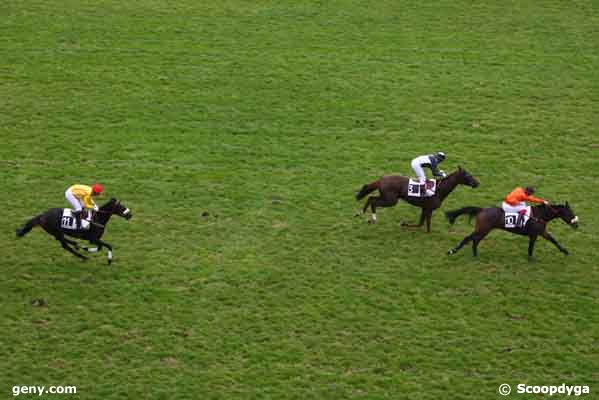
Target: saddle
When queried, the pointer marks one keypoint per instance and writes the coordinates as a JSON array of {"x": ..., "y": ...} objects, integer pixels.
[{"x": 416, "y": 189}]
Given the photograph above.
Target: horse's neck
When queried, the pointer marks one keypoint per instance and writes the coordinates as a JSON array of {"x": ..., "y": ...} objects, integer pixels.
[
  {"x": 103, "y": 216},
  {"x": 543, "y": 213},
  {"x": 447, "y": 185}
]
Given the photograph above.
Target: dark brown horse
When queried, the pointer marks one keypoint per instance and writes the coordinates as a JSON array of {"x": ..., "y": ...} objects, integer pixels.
[
  {"x": 394, "y": 187},
  {"x": 50, "y": 221},
  {"x": 488, "y": 219}
]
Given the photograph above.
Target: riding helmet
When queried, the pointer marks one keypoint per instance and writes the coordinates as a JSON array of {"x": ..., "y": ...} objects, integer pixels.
[
  {"x": 97, "y": 188},
  {"x": 441, "y": 155},
  {"x": 529, "y": 189}
]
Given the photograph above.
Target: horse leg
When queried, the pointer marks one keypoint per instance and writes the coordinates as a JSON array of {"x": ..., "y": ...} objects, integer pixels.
[
  {"x": 72, "y": 243},
  {"x": 476, "y": 240},
  {"x": 366, "y": 205},
  {"x": 101, "y": 244},
  {"x": 381, "y": 201},
  {"x": 64, "y": 243},
  {"x": 96, "y": 249},
  {"x": 420, "y": 222},
  {"x": 462, "y": 243},
  {"x": 548, "y": 236},
  {"x": 359, "y": 213},
  {"x": 428, "y": 215},
  {"x": 531, "y": 246}
]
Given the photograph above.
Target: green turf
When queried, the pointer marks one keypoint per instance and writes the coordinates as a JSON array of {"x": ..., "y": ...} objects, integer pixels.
[{"x": 269, "y": 116}]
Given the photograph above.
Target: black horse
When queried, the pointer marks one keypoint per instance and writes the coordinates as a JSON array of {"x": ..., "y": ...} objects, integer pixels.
[
  {"x": 488, "y": 219},
  {"x": 51, "y": 222},
  {"x": 394, "y": 187}
]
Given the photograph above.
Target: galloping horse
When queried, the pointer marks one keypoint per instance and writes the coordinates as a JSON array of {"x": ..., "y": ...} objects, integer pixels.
[
  {"x": 395, "y": 187},
  {"x": 488, "y": 219},
  {"x": 51, "y": 222}
]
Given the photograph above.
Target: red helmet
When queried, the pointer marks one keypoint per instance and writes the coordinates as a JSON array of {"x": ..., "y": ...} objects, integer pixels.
[{"x": 97, "y": 188}]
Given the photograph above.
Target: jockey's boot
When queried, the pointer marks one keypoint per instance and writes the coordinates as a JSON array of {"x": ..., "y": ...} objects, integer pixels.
[{"x": 77, "y": 215}]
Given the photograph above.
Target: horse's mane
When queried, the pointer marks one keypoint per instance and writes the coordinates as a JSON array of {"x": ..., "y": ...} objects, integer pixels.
[{"x": 109, "y": 202}]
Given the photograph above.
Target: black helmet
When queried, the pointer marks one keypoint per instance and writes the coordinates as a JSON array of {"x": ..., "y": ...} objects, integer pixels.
[
  {"x": 441, "y": 155},
  {"x": 529, "y": 189}
]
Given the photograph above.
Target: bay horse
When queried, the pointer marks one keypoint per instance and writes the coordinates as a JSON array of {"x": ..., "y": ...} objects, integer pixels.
[
  {"x": 394, "y": 187},
  {"x": 491, "y": 218},
  {"x": 50, "y": 221}
]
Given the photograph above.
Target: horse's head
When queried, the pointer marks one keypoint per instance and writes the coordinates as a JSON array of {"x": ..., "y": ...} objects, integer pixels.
[
  {"x": 465, "y": 178},
  {"x": 566, "y": 214},
  {"x": 115, "y": 207}
]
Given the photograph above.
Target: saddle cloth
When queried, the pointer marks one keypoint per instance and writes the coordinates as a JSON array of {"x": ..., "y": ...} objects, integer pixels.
[
  {"x": 415, "y": 188},
  {"x": 511, "y": 219},
  {"x": 68, "y": 221}
]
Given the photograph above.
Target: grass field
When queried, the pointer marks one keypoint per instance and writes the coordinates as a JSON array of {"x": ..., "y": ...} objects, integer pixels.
[{"x": 268, "y": 116}]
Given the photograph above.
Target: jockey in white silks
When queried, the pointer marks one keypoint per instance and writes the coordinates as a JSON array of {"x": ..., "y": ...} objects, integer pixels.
[
  {"x": 428, "y": 161},
  {"x": 81, "y": 197}
]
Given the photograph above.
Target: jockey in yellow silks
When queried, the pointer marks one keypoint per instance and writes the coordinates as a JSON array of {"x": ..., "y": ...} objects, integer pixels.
[{"x": 81, "y": 197}]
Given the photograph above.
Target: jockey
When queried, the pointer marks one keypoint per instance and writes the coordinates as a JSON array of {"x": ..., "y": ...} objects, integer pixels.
[
  {"x": 80, "y": 197},
  {"x": 428, "y": 161},
  {"x": 515, "y": 202}
]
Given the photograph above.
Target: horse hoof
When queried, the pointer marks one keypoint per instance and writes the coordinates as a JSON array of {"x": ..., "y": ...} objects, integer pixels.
[
  {"x": 450, "y": 252},
  {"x": 566, "y": 252}
]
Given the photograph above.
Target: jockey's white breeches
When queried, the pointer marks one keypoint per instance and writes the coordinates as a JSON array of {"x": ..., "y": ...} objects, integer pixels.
[
  {"x": 418, "y": 170},
  {"x": 75, "y": 202},
  {"x": 508, "y": 208}
]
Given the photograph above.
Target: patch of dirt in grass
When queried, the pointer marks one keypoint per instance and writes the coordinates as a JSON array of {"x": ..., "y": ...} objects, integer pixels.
[{"x": 171, "y": 362}]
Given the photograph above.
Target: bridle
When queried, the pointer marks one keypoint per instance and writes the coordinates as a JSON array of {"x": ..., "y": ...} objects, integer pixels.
[{"x": 556, "y": 212}]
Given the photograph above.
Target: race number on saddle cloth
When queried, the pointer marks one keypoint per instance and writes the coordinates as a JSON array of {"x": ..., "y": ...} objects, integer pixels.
[
  {"x": 517, "y": 212},
  {"x": 426, "y": 188},
  {"x": 81, "y": 197}
]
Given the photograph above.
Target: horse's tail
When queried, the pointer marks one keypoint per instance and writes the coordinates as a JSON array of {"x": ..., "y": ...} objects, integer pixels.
[
  {"x": 471, "y": 211},
  {"x": 367, "y": 189},
  {"x": 29, "y": 225}
]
